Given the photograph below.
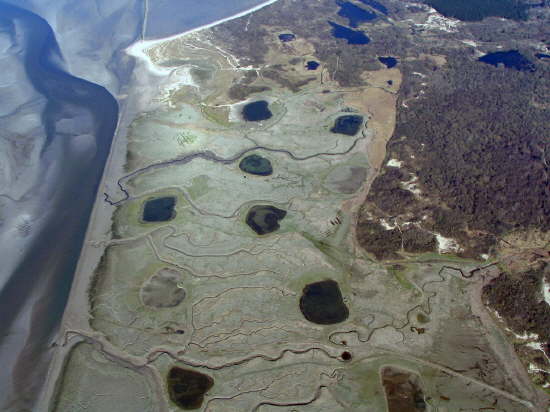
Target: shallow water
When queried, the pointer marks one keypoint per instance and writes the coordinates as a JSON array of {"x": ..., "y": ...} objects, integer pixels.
[
  {"x": 264, "y": 219},
  {"x": 40, "y": 285}
]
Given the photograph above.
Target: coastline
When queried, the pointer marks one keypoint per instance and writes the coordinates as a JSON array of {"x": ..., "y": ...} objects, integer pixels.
[
  {"x": 138, "y": 49},
  {"x": 77, "y": 312}
]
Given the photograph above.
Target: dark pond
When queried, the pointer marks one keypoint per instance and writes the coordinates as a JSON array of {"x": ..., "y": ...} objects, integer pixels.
[
  {"x": 322, "y": 303},
  {"x": 286, "y": 37},
  {"x": 312, "y": 65},
  {"x": 187, "y": 388},
  {"x": 512, "y": 59},
  {"x": 388, "y": 61},
  {"x": 264, "y": 219},
  {"x": 355, "y": 15},
  {"x": 352, "y": 36},
  {"x": 375, "y": 5},
  {"x": 256, "y": 165},
  {"x": 159, "y": 210},
  {"x": 542, "y": 56},
  {"x": 348, "y": 124},
  {"x": 256, "y": 111}
]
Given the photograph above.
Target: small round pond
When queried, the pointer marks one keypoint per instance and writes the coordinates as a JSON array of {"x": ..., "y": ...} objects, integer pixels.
[
  {"x": 312, "y": 65},
  {"x": 348, "y": 124},
  {"x": 322, "y": 303},
  {"x": 256, "y": 111},
  {"x": 286, "y": 37},
  {"x": 160, "y": 209},
  {"x": 187, "y": 388},
  {"x": 256, "y": 165},
  {"x": 264, "y": 219}
]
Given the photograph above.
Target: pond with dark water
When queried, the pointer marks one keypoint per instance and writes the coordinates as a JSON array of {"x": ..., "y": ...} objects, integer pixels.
[
  {"x": 312, "y": 65},
  {"x": 352, "y": 36},
  {"x": 256, "y": 165},
  {"x": 355, "y": 14},
  {"x": 264, "y": 219},
  {"x": 511, "y": 59},
  {"x": 256, "y": 111},
  {"x": 286, "y": 37},
  {"x": 375, "y": 5},
  {"x": 187, "y": 387},
  {"x": 388, "y": 61},
  {"x": 160, "y": 209},
  {"x": 347, "y": 124},
  {"x": 322, "y": 303}
]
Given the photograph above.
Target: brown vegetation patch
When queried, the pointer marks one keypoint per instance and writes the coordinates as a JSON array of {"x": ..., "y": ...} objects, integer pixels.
[
  {"x": 403, "y": 391},
  {"x": 517, "y": 299}
]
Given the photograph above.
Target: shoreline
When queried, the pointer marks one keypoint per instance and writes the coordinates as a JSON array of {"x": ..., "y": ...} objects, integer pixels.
[
  {"x": 138, "y": 48},
  {"x": 76, "y": 315}
]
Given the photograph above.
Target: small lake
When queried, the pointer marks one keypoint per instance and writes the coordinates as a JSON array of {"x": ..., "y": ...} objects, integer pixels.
[
  {"x": 375, "y": 5},
  {"x": 511, "y": 59},
  {"x": 348, "y": 124},
  {"x": 256, "y": 165},
  {"x": 187, "y": 387},
  {"x": 256, "y": 111},
  {"x": 388, "y": 61},
  {"x": 352, "y": 36},
  {"x": 355, "y": 14},
  {"x": 286, "y": 37},
  {"x": 159, "y": 210},
  {"x": 264, "y": 219},
  {"x": 312, "y": 65},
  {"x": 322, "y": 303}
]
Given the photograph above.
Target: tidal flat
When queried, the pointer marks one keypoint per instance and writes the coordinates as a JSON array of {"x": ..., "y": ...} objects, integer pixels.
[{"x": 257, "y": 295}]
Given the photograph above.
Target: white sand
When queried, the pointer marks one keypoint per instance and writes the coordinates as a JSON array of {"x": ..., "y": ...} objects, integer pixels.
[{"x": 139, "y": 48}]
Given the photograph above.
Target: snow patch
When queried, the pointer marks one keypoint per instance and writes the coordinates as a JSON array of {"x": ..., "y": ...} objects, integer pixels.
[
  {"x": 436, "y": 21},
  {"x": 395, "y": 163},
  {"x": 546, "y": 291},
  {"x": 446, "y": 244},
  {"x": 411, "y": 186},
  {"x": 386, "y": 225}
]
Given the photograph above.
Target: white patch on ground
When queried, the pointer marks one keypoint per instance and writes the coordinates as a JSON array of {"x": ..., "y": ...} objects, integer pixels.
[
  {"x": 446, "y": 244},
  {"x": 526, "y": 336},
  {"x": 386, "y": 225},
  {"x": 139, "y": 49},
  {"x": 411, "y": 186},
  {"x": 470, "y": 43},
  {"x": 436, "y": 21},
  {"x": 177, "y": 79},
  {"x": 419, "y": 74},
  {"x": 546, "y": 291},
  {"x": 534, "y": 368},
  {"x": 484, "y": 256},
  {"x": 395, "y": 163}
]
